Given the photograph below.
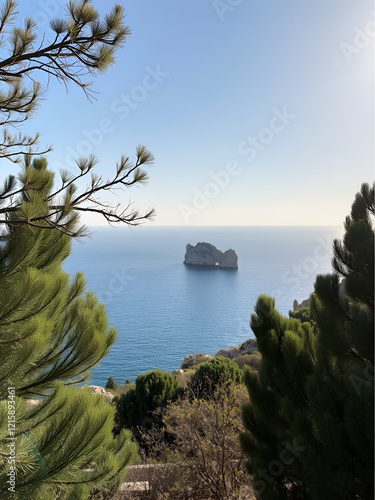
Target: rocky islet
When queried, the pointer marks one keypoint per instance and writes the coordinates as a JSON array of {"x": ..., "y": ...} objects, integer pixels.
[{"x": 205, "y": 254}]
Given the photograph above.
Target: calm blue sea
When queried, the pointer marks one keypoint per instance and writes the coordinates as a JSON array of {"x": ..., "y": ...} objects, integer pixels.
[{"x": 163, "y": 310}]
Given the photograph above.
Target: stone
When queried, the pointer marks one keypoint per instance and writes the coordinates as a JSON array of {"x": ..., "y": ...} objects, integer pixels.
[
  {"x": 297, "y": 306},
  {"x": 205, "y": 254},
  {"x": 95, "y": 389},
  {"x": 190, "y": 359},
  {"x": 233, "y": 352}
]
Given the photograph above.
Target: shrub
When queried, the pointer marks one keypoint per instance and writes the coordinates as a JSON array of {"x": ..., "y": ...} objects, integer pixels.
[
  {"x": 152, "y": 389},
  {"x": 253, "y": 360},
  {"x": 185, "y": 377},
  {"x": 211, "y": 373},
  {"x": 111, "y": 384},
  {"x": 203, "y": 459}
]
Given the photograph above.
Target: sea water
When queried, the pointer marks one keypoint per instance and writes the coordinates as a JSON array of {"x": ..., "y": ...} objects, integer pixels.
[{"x": 163, "y": 310}]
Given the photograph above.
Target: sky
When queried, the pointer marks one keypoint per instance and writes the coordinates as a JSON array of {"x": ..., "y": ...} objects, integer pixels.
[{"x": 258, "y": 112}]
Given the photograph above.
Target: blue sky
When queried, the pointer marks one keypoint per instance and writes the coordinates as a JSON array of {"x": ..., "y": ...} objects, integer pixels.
[{"x": 258, "y": 112}]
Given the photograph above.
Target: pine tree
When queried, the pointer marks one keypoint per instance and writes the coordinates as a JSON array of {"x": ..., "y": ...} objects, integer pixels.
[
  {"x": 51, "y": 334},
  {"x": 60, "y": 444},
  {"x": 111, "y": 384},
  {"x": 343, "y": 305},
  {"x": 277, "y": 400},
  {"x": 310, "y": 418}
]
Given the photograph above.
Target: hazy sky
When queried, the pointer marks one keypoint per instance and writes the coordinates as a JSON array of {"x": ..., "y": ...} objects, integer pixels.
[{"x": 258, "y": 112}]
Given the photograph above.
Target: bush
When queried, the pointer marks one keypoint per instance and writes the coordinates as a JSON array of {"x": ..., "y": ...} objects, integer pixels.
[
  {"x": 203, "y": 459},
  {"x": 212, "y": 373},
  {"x": 185, "y": 377},
  {"x": 253, "y": 360},
  {"x": 111, "y": 384},
  {"x": 152, "y": 390}
]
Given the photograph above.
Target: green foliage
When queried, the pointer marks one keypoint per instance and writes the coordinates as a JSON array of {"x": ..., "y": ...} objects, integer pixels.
[
  {"x": 111, "y": 384},
  {"x": 51, "y": 331},
  {"x": 276, "y": 392},
  {"x": 64, "y": 446},
  {"x": 252, "y": 360},
  {"x": 344, "y": 409},
  {"x": 309, "y": 423},
  {"x": 152, "y": 390},
  {"x": 211, "y": 373},
  {"x": 200, "y": 437},
  {"x": 51, "y": 334},
  {"x": 304, "y": 315}
]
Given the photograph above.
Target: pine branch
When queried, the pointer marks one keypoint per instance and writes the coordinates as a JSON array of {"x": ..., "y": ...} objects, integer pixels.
[
  {"x": 82, "y": 46},
  {"x": 58, "y": 216}
]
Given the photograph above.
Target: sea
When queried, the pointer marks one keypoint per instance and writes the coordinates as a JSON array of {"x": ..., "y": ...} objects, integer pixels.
[{"x": 163, "y": 310}]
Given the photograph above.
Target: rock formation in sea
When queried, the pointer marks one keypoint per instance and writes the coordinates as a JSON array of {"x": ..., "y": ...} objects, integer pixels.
[{"x": 205, "y": 254}]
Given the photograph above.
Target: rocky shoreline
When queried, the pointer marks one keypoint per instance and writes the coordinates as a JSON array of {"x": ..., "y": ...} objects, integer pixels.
[{"x": 233, "y": 352}]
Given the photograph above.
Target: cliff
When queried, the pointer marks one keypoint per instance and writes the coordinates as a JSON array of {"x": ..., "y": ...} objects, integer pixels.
[
  {"x": 247, "y": 347},
  {"x": 205, "y": 254},
  {"x": 297, "y": 306}
]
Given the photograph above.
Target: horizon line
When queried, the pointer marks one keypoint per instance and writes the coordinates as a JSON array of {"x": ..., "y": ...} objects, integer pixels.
[{"x": 218, "y": 226}]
